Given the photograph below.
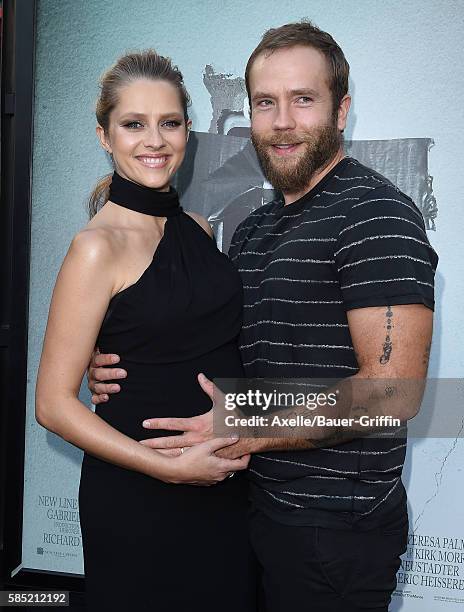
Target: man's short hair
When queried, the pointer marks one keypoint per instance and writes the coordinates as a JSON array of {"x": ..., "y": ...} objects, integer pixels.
[{"x": 307, "y": 34}]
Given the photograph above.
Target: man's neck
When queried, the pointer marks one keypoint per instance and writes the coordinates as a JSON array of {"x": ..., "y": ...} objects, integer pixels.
[{"x": 289, "y": 198}]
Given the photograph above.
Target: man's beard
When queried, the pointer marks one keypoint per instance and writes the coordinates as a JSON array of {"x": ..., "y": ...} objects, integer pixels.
[{"x": 321, "y": 144}]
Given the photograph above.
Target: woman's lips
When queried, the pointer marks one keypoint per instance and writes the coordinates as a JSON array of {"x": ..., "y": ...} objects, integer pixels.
[{"x": 153, "y": 162}]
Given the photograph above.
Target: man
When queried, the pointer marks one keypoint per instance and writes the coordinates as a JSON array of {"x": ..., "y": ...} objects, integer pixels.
[{"x": 338, "y": 282}]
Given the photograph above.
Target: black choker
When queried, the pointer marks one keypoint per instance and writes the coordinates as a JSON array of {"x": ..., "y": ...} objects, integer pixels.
[{"x": 144, "y": 199}]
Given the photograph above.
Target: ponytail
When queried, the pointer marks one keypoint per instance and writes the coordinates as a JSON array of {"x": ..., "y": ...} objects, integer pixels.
[{"x": 100, "y": 195}]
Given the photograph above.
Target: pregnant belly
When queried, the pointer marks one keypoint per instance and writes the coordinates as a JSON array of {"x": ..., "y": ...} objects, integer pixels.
[{"x": 166, "y": 390}]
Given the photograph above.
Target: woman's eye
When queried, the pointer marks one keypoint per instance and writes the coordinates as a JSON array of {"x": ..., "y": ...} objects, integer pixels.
[
  {"x": 172, "y": 124},
  {"x": 133, "y": 125}
]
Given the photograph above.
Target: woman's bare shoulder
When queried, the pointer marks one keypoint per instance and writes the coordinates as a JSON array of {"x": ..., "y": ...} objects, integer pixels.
[{"x": 95, "y": 243}]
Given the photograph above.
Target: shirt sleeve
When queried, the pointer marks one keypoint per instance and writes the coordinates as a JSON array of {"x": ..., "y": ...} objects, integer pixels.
[
  {"x": 240, "y": 236},
  {"x": 383, "y": 256}
]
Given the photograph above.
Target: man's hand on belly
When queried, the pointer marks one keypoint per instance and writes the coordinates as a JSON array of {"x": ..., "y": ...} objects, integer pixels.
[
  {"x": 196, "y": 429},
  {"x": 200, "y": 429}
]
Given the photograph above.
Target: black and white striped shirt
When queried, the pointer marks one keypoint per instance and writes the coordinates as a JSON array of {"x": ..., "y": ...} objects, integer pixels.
[{"x": 353, "y": 241}]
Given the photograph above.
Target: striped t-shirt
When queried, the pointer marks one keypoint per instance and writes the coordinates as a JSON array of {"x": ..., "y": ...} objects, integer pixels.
[{"x": 353, "y": 241}]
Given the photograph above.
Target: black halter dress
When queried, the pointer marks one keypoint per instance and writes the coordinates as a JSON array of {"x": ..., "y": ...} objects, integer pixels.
[{"x": 149, "y": 545}]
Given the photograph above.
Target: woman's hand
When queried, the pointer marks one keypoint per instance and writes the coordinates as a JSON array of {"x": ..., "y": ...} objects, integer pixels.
[{"x": 200, "y": 466}]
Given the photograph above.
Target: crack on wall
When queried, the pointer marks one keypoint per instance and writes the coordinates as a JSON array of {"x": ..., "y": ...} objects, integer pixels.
[{"x": 439, "y": 477}]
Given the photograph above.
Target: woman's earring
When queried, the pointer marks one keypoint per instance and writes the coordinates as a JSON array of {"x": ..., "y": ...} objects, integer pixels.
[{"x": 110, "y": 155}]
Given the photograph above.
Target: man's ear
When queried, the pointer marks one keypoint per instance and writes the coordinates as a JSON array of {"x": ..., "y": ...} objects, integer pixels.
[
  {"x": 102, "y": 137},
  {"x": 342, "y": 114}
]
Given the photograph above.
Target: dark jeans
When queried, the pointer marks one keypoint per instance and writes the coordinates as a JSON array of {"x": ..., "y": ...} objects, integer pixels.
[{"x": 313, "y": 569}]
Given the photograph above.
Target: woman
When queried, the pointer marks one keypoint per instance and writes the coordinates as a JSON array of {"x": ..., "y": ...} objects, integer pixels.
[{"x": 146, "y": 280}]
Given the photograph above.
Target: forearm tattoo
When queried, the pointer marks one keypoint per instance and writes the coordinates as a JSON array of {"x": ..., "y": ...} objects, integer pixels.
[
  {"x": 390, "y": 391},
  {"x": 387, "y": 345}
]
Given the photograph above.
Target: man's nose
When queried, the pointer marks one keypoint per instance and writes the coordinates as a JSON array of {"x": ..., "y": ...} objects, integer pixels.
[{"x": 283, "y": 118}]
